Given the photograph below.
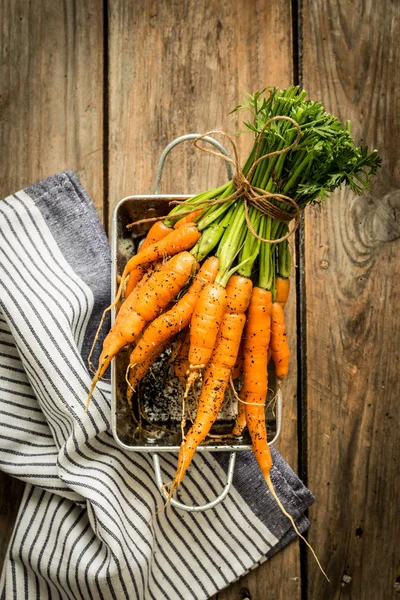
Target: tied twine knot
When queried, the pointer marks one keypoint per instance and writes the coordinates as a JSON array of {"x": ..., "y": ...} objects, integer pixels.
[
  {"x": 244, "y": 189},
  {"x": 250, "y": 194}
]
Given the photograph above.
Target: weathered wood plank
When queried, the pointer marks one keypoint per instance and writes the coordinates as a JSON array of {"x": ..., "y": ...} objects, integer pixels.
[
  {"x": 51, "y": 117},
  {"x": 51, "y": 104},
  {"x": 179, "y": 67},
  {"x": 351, "y": 57}
]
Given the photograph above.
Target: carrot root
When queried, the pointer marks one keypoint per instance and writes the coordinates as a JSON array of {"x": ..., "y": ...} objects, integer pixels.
[{"x": 289, "y": 516}]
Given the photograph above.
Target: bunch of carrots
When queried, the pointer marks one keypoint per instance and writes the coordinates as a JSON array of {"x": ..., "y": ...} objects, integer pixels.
[{"x": 217, "y": 268}]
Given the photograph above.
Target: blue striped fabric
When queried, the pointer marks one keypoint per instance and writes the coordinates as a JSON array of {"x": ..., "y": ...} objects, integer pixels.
[{"x": 92, "y": 523}]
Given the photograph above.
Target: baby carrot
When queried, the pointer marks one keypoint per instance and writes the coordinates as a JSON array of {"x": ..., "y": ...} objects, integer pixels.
[
  {"x": 255, "y": 357},
  {"x": 218, "y": 370},
  {"x": 257, "y": 337},
  {"x": 279, "y": 345},
  {"x": 157, "y": 232},
  {"x": 206, "y": 319},
  {"x": 282, "y": 288},
  {"x": 255, "y": 382},
  {"x": 215, "y": 381},
  {"x": 238, "y": 291},
  {"x": 181, "y": 362},
  {"x": 163, "y": 285},
  {"x": 188, "y": 218},
  {"x": 178, "y": 317},
  {"x": 238, "y": 367},
  {"x": 177, "y": 241}
]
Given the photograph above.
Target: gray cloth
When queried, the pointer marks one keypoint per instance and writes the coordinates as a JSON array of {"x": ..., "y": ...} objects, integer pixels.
[{"x": 91, "y": 522}]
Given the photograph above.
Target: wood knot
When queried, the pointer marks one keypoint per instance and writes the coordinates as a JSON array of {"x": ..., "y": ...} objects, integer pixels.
[{"x": 381, "y": 222}]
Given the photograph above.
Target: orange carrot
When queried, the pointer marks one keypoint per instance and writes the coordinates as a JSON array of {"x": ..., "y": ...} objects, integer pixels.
[
  {"x": 238, "y": 291},
  {"x": 157, "y": 232},
  {"x": 213, "y": 302},
  {"x": 255, "y": 383},
  {"x": 177, "y": 241},
  {"x": 189, "y": 218},
  {"x": 238, "y": 367},
  {"x": 235, "y": 304},
  {"x": 163, "y": 285},
  {"x": 134, "y": 277},
  {"x": 206, "y": 320},
  {"x": 181, "y": 362},
  {"x": 215, "y": 381},
  {"x": 255, "y": 354},
  {"x": 207, "y": 317},
  {"x": 257, "y": 338},
  {"x": 282, "y": 287},
  {"x": 279, "y": 344},
  {"x": 170, "y": 323},
  {"x": 218, "y": 371}
]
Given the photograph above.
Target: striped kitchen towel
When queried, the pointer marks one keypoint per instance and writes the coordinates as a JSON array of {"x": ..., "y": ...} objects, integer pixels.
[{"x": 91, "y": 523}]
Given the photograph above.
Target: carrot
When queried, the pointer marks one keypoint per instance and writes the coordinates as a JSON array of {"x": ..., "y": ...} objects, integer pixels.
[
  {"x": 240, "y": 422},
  {"x": 282, "y": 287},
  {"x": 210, "y": 307},
  {"x": 279, "y": 344},
  {"x": 218, "y": 371},
  {"x": 189, "y": 218},
  {"x": 238, "y": 291},
  {"x": 157, "y": 232},
  {"x": 238, "y": 367},
  {"x": 181, "y": 362},
  {"x": 215, "y": 381},
  {"x": 257, "y": 339},
  {"x": 134, "y": 277},
  {"x": 204, "y": 325},
  {"x": 255, "y": 379},
  {"x": 206, "y": 319},
  {"x": 170, "y": 323},
  {"x": 163, "y": 285},
  {"x": 177, "y": 241},
  {"x": 255, "y": 354}
]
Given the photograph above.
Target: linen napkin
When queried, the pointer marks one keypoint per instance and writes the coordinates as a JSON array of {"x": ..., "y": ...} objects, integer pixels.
[{"x": 85, "y": 527}]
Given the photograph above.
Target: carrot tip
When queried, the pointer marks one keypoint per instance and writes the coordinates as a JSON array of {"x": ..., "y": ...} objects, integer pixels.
[{"x": 274, "y": 494}]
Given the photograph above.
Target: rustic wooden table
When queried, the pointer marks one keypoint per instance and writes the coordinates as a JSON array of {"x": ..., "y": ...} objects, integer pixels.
[{"x": 102, "y": 87}]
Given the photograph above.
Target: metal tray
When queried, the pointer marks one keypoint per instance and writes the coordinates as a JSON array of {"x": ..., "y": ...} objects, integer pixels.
[{"x": 160, "y": 394}]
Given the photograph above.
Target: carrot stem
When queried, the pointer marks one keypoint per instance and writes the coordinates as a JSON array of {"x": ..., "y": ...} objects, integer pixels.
[{"x": 284, "y": 259}]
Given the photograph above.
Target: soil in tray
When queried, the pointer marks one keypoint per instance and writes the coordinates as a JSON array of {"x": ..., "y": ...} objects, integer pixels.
[{"x": 158, "y": 408}]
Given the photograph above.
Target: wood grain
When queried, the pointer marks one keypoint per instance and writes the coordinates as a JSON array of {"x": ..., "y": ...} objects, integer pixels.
[
  {"x": 352, "y": 246},
  {"x": 51, "y": 118},
  {"x": 51, "y": 99},
  {"x": 179, "y": 67}
]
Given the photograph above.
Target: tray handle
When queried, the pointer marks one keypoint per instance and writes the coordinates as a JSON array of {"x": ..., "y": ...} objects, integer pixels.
[
  {"x": 176, "y": 504},
  {"x": 231, "y": 468},
  {"x": 179, "y": 140}
]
